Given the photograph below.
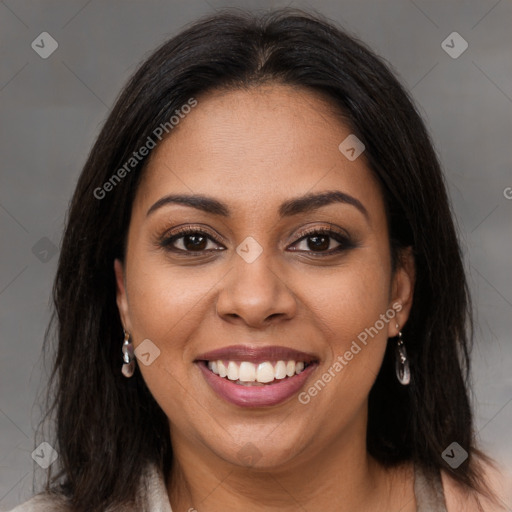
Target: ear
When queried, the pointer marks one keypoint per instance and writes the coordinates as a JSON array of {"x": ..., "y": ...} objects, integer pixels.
[
  {"x": 402, "y": 290},
  {"x": 121, "y": 297}
]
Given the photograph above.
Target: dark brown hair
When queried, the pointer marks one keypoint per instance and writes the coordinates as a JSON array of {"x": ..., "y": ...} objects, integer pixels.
[{"x": 108, "y": 427}]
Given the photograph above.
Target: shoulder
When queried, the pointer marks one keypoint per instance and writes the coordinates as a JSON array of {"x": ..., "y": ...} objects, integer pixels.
[
  {"x": 44, "y": 503},
  {"x": 497, "y": 481},
  {"x": 152, "y": 496}
]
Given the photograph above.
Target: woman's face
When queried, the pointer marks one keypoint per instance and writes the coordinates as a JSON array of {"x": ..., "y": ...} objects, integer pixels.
[{"x": 274, "y": 256}]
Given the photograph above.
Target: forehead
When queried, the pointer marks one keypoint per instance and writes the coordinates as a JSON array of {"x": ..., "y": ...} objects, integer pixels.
[{"x": 262, "y": 144}]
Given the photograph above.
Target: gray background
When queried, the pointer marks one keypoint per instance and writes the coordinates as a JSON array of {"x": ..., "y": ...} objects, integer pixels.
[{"x": 52, "y": 109}]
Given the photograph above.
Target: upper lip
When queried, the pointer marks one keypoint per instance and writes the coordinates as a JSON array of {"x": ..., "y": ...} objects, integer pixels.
[{"x": 256, "y": 354}]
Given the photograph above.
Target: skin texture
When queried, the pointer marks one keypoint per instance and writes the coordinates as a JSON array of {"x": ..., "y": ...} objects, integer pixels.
[{"x": 252, "y": 150}]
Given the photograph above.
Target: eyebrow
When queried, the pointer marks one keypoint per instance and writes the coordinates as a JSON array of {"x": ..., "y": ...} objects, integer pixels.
[{"x": 303, "y": 204}]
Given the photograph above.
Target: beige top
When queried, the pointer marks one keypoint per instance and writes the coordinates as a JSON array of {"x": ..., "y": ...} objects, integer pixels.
[{"x": 429, "y": 496}]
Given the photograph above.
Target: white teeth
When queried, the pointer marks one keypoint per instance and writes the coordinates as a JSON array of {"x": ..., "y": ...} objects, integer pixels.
[
  {"x": 232, "y": 370},
  {"x": 265, "y": 373},
  {"x": 290, "y": 368},
  {"x": 222, "y": 369},
  {"x": 280, "y": 370},
  {"x": 246, "y": 372}
]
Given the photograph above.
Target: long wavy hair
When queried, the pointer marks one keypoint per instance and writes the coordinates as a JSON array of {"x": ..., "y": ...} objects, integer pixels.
[{"x": 107, "y": 428}]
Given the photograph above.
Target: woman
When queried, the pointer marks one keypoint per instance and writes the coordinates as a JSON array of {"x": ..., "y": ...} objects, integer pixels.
[{"x": 260, "y": 300}]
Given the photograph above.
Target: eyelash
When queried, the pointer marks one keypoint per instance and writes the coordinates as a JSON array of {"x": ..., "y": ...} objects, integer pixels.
[{"x": 343, "y": 239}]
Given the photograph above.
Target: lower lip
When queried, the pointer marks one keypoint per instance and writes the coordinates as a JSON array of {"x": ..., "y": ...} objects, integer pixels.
[{"x": 256, "y": 396}]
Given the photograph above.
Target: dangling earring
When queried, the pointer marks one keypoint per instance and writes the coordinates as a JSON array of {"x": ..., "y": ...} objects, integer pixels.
[
  {"x": 128, "y": 357},
  {"x": 402, "y": 368}
]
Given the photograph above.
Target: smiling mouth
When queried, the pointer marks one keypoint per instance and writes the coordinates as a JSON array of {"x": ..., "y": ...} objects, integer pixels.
[
  {"x": 252, "y": 376},
  {"x": 246, "y": 373}
]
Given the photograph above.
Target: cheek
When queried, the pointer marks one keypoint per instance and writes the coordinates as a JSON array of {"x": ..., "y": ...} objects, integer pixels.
[
  {"x": 168, "y": 306},
  {"x": 351, "y": 308},
  {"x": 348, "y": 300},
  {"x": 162, "y": 296}
]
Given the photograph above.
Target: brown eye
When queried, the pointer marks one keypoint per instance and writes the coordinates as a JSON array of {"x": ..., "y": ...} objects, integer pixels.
[
  {"x": 189, "y": 241},
  {"x": 323, "y": 242},
  {"x": 195, "y": 242},
  {"x": 318, "y": 243}
]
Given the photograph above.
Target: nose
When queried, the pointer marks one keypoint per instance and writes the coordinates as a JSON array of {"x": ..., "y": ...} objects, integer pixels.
[{"x": 255, "y": 295}]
